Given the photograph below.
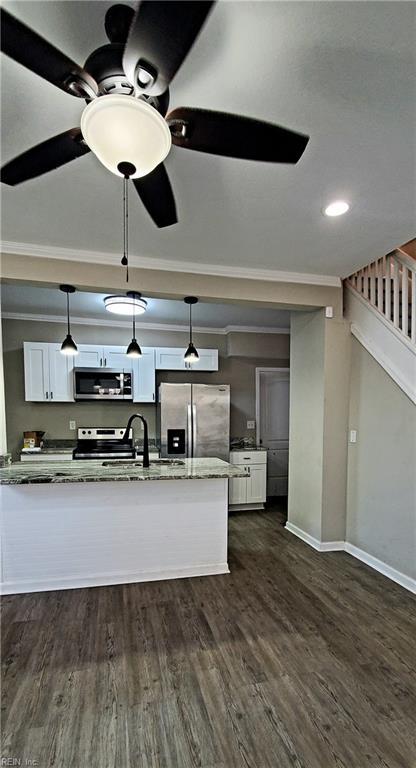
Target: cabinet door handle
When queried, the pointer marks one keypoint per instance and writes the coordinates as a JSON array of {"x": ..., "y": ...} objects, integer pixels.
[
  {"x": 101, "y": 362},
  {"x": 153, "y": 396},
  {"x": 46, "y": 395},
  {"x": 105, "y": 361},
  {"x": 51, "y": 395}
]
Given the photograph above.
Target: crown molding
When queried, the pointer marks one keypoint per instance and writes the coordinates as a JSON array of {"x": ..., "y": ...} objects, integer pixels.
[
  {"x": 146, "y": 262},
  {"x": 109, "y": 323}
]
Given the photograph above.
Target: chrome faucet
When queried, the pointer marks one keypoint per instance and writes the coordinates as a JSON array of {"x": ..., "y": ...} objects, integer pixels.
[{"x": 125, "y": 438}]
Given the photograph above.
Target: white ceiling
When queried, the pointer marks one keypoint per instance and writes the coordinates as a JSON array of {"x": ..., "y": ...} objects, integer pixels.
[
  {"x": 343, "y": 72},
  {"x": 33, "y": 300}
]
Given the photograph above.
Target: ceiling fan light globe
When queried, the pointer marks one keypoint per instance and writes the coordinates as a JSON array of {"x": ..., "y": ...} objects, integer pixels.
[
  {"x": 191, "y": 355},
  {"x": 123, "y": 129},
  {"x": 68, "y": 346},
  {"x": 133, "y": 350}
]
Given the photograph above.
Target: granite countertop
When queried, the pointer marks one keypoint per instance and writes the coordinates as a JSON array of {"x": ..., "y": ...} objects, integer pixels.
[{"x": 94, "y": 471}]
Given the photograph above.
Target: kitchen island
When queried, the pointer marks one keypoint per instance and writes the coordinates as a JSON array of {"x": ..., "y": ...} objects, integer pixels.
[{"x": 90, "y": 523}]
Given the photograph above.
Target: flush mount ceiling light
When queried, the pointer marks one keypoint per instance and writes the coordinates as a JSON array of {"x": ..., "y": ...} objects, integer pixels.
[
  {"x": 68, "y": 345},
  {"x": 191, "y": 354},
  {"x": 129, "y": 304},
  {"x": 337, "y": 208},
  {"x": 122, "y": 129}
]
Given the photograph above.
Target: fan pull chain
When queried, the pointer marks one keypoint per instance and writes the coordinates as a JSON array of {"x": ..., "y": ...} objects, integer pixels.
[{"x": 125, "y": 259}]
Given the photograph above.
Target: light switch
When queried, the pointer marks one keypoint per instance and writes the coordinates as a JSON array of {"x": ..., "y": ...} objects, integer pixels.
[
  {"x": 329, "y": 311},
  {"x": 72, "y": 425},
  {"x": 353, "y": 435},
  {"x": 251, "y": 425}
]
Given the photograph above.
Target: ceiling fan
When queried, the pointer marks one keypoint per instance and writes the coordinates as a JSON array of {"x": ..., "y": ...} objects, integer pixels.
[{"x": 126, "y": 122}]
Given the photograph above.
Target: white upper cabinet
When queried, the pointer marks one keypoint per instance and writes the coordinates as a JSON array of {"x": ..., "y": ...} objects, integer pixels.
[
  {"x": 172, "y": 359},
  {"x": 144, "y": 380},
  {"x": 89, "y": 356},
  {"x": 61, "y": 367},
  {"x": 208, "y": 360},
  {"x": 48, "y": 373},
  {"x": 99, "y": 356},
  {"x": 115, "y": 357},
  {"x": 36, "y": 358}
]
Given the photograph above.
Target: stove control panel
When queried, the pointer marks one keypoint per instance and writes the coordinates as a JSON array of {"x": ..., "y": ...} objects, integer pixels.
[{"x": 102, "y": 433}]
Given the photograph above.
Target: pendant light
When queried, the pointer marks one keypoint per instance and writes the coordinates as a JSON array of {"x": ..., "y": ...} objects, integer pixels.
[
  {"x": 191, "y": 354},
  {"x": 68, "y": 345},
  {"x": 133, "y": 350}
]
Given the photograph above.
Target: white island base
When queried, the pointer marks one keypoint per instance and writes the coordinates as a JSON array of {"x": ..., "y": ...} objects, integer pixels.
[{"x": 69, "y": 535}]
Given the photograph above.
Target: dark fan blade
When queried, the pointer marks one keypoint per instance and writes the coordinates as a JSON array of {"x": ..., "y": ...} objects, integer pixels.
[
  {"x": 161, "y": 35},
  {"x": 117, "y": 23},
  {"x": 156, "y": 194},
  {"x": 51, "y": 154},
  {"x": 30, "y": 49},
  {"x": 234, "y": 136}
]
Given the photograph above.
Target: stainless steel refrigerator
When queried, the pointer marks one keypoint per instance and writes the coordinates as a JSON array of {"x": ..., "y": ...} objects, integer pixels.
[{"x": 194, "y": 420}]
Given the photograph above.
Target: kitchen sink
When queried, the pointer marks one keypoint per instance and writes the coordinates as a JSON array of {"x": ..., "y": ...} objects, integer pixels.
[{"x": 134, "y": 463}]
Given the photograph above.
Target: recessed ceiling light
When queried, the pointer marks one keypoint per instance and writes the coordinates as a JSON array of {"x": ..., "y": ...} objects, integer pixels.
[
  {"x": 129, "y": 304},
  {"x": 337, "y": 208}
]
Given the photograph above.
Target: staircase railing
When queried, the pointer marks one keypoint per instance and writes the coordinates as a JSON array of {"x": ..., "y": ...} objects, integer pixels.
[{"x": 389, "y": 285}]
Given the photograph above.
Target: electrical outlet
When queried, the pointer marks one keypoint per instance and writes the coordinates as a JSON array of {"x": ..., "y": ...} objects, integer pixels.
[
  {"x": 251, "y": 425},
  {"x": 353, "y": 435},
  {"x": 72, "y": 425}
]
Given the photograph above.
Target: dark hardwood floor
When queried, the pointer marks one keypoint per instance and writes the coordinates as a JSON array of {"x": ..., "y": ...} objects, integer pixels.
[{"x": 295, "y": 660}]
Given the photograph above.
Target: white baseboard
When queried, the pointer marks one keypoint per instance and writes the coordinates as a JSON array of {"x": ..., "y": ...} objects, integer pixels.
[
  {"x": 345, "y": 546},
  {"x": 320, "y": 546},
  {"x": 109, "y": 579},
  {"x": 387, "y": 570}
]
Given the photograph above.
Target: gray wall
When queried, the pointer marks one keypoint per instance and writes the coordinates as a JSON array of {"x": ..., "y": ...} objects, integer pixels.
[
  {"x": 54, "y": 418},
  {"x": 319, "y": 387},
  {"x": 381, "y": 491},
  {"x": 306, "y": 421}
]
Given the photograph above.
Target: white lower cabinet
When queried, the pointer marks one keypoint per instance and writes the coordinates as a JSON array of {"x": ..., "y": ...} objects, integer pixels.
[
  {"x": 48, "y": 373},
  {"x": 144, "y": 379},
  {"x": 249, "y": 492}
]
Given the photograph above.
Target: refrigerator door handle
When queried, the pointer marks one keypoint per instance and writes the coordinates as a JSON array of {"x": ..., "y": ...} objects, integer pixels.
[
  {"x": 190, "y": 451},
  {"x": 194, "y": 436}
]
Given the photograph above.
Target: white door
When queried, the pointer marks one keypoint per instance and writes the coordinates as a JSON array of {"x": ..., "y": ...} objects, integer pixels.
[
  {"x": 256, "y": 483},
  {"x": 170, "y": 359},
  {"x": 144, "y": 381},
  {"x": 60, "y": 374},
  {"x": 36, "y": 363},
  {"x": 273, "y": 426},
  {"x": 115, "y": 357},
  {"x": 89, "y": 356},
  {"x": 237, "y": 490}
]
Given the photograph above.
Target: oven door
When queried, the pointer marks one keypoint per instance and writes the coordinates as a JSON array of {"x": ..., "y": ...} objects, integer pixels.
[{"x": 102, "y": 384}]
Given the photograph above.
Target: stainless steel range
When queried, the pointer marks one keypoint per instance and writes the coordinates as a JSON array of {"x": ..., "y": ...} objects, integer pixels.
[{"x": 103, "y": 443}]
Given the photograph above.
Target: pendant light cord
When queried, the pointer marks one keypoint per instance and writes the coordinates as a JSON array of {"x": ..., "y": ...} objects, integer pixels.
[
  {"x": 125, "y": 259},
  {"x": 190, "y": 323},
  {"x": 134, "y": 326},
  {"x": 67, "y": 312}
]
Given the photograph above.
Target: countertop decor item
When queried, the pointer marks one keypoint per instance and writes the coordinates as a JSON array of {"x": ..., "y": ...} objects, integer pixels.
[
  {"x": 191, "y": 355},
  {"x": 68, "y": 345}
]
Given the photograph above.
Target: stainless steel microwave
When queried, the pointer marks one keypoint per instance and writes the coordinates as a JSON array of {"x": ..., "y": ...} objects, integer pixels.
[{"x": 102, "y": 384}]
